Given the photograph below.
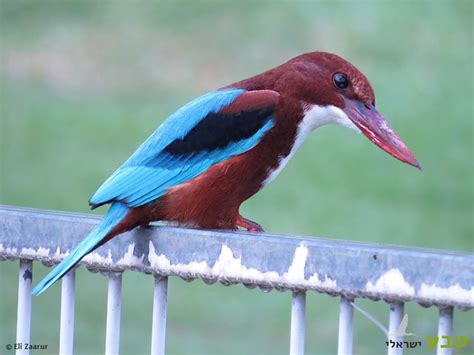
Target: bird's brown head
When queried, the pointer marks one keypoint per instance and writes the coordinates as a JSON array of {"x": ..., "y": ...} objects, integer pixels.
[{"x": 325, "y": 80}]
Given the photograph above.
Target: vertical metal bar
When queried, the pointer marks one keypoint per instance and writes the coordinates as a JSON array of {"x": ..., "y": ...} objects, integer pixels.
[
  {"x": 158, "y": 331},
  {"x": 66, "y": 333},
  {"x": 297, "y": 323},
  {"x": 23, "y": 319},
  {"x": 112, "y": 338},
  {"x": 445, "y": 329},
  {"x": 395, "y": 330},
  {"x": 344, "y": 345}
]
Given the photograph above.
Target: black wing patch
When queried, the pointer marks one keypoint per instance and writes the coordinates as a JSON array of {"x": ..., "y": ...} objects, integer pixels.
[{"x": 217, "y": 130}]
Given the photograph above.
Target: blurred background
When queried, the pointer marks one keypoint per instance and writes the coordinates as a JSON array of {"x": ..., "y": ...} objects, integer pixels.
[{"x": 84, "y": 83}]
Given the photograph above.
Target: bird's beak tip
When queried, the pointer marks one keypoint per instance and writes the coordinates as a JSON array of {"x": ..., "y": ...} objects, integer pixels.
[
  {"x": 415, "y": 164},
  {"x": 418, "y": 166}
]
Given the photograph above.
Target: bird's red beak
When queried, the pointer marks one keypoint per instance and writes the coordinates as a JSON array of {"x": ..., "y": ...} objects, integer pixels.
[{"x": 375, "y": 128}]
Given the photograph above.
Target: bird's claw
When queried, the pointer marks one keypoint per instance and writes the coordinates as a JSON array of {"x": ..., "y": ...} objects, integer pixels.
[{"x": 249, "y": 225}]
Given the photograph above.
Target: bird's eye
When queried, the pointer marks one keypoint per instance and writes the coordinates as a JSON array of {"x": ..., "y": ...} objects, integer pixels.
[{"x": 340, "y": 80}]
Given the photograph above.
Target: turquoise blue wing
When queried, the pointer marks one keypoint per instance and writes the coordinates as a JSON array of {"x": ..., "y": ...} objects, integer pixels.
[{"x": 197, "y": 136}]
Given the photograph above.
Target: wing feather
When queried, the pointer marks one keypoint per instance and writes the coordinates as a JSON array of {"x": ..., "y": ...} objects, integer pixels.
[{"x": 174, "y": 153}]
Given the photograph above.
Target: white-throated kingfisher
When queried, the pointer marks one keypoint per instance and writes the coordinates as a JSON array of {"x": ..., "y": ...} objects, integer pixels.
[{"x": 218, "y": 150}]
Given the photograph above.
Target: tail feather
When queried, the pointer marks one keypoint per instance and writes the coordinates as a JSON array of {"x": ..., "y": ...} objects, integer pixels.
[{"x": 113, "y": 216}]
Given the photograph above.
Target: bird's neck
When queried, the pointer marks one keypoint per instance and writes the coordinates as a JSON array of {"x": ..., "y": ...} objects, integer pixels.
[{"x": 311, "y": 117}]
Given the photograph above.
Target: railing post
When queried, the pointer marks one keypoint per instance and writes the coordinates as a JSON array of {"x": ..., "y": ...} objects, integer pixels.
[
  {"x": 158, "y": 335},
  {"x": 297, "y": 323},
  {"x": 445, "y": 328},
  {"x": 23, "y": 318},
  {"x": 66, "y": 337},
  {"x": 396, "y": 316},
  {"x": 345, "y": 327},
  {"x": 112, "y": 338}
]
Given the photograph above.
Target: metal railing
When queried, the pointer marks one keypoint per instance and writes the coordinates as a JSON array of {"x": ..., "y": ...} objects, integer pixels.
[{"x": 349, "y": 270}]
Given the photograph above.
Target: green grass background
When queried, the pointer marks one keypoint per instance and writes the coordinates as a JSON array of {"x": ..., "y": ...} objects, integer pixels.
[{"x": 83, "y": 83}]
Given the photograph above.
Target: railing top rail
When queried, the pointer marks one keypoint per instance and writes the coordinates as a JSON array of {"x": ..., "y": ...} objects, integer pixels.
[{"x": 354, "y": 269}]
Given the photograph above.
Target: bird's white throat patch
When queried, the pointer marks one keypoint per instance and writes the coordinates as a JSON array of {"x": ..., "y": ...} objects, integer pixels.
[{"x": 315, "y": 116}]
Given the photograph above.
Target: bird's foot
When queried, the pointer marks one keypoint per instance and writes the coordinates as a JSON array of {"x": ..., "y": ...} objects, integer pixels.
[{"x": 249, "y": 225}]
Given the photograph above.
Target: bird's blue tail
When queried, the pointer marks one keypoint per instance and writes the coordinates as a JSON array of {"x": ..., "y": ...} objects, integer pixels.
[{"x": 113, "y": 216}]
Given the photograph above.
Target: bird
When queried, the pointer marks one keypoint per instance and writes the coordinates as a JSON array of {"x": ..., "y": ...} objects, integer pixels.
[{"x": 218, "y": 150}]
